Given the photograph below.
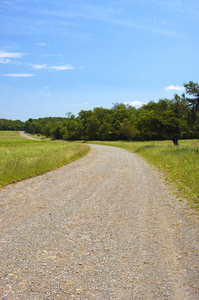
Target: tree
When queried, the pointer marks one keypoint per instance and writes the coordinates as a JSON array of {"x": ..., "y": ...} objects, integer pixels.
[
  {"x": 75, "y": 129},
  {"x": 56, "y": 133},
  {"x": 70, "y": 116},
  {"x": 127, "y": 130},
  {"x": 105, "y": 132},
  {"x": 11, "y": 125},
  {"x": 192, "y": 88},
  {"x": 172, "y": 126},
  {"x": 46, "y": 130},
  {"x": 164, "y": 119},
  {"x": 92, "y": 127},
  {"x": 149, "y": 125}
]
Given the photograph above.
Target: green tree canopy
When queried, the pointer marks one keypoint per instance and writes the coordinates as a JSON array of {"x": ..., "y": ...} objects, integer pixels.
[{"x": 192, "y": 89}]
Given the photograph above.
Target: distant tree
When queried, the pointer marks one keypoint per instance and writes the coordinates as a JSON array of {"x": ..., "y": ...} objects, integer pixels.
[
  {"x": 56, "y": 133},
  {"x": 105, "y": 132},
  {"x": 64, "y": 133},
  {"x": 92, "y": 127},
  {"x": 70, "y": 116},
  {"x": 127, "y": 130},
  {"x": 172, "y": 125},
  {"x": 117, "y": 106},
  {"x": 75, "y": 129},
  {"x": 46, "y": 130},
  {"x": 149, "y": 125},
  {"x": 11, "y": 125},
  {"x": 85, "y": 117},
  {"x": 148, "y": 121},
  {"x": 173, "y": 119},
  {"x": 165, "y": 119},
  {"x": 121, "y": 114},
  {"x": 192, "y": 89}
]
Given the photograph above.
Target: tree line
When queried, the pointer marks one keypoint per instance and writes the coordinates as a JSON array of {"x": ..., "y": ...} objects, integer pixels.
[{"x": 166, "y": 119}]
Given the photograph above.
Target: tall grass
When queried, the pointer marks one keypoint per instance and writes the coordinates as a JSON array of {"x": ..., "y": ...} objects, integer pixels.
[
  {"x": 180, "y": 164},
  {"x": 21, "y": 158}
]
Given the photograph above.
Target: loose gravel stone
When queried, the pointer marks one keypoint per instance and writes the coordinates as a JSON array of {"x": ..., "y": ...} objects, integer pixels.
[{"x": 103, "y": 227}]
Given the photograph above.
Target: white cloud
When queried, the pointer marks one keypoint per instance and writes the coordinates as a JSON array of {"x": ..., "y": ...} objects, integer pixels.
[
  {"x": 134, "y": 103},
  {"x": 61, "y": 68},
  {"x": 10, "y": 54},
  {"x": 18, "y": 75},
  {"x": 174, "y": 88},
  {"x": 56, "y": 68},
  {"x": 39, "y": 67}
]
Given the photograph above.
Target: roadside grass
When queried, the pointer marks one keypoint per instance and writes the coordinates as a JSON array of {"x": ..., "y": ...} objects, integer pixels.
[
  {"x": 179, "y": 164},
  {"x": 39, "y": 136},
  {"x": 21, "y": 158},
  {"x": 9, "y": 136}
]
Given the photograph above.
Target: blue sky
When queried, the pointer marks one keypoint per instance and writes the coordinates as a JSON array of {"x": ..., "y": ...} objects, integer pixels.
[{"x": 60, "y": 56}]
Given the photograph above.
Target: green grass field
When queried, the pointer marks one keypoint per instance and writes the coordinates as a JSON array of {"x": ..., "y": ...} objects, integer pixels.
[
  {"x": 21, "y": 158},
  {"x": 180, "y": 164}
]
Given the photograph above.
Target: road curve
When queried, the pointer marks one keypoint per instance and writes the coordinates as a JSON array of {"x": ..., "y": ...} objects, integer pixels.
[
  {"x": 103, "y": 227},
  {"x": 22, "y": 133}
]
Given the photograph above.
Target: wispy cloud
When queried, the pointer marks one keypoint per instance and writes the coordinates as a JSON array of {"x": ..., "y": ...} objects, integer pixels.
[
  {"x": 153, "y": 26},
  {"x": 61, "y": 68},
  {"x": 10, "y": 54},
  {"x": 18, "y": 75},
  {"x": 63, "y": 12},
  {"x": 114, "y": 15},
  {"x": 56, "y": 68},
  {"x": 39, "y": 67},
  {"x": 174, "y": 88},
  {"x": 10, "y": 57}
]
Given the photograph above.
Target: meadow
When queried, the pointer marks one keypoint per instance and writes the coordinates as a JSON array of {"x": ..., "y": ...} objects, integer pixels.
[
  {"x": 179, "y": 164},
  {"x": 21, "y": 158}
]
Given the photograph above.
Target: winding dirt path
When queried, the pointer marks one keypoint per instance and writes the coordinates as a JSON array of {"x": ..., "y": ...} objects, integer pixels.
[
  {"x": 102, "y": 227},
  {"x": 22, "y": 133}
]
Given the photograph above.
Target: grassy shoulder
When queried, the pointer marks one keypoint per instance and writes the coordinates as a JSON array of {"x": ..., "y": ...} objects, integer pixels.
[
  {"x": 179, "y": 164},
  {"x": 21, "y": 158},
  {"x": 39, "y": 137}
]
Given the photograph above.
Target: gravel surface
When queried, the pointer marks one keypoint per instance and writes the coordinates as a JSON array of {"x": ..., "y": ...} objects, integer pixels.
[
  {"x": 103, "y": 227},
  {"x": 22, "y": 133}
]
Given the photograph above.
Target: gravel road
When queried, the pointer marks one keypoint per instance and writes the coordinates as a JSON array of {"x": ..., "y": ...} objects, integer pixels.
[
  {"x": 103, "y": 227},
  {"x": 22, "y": 133}
]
